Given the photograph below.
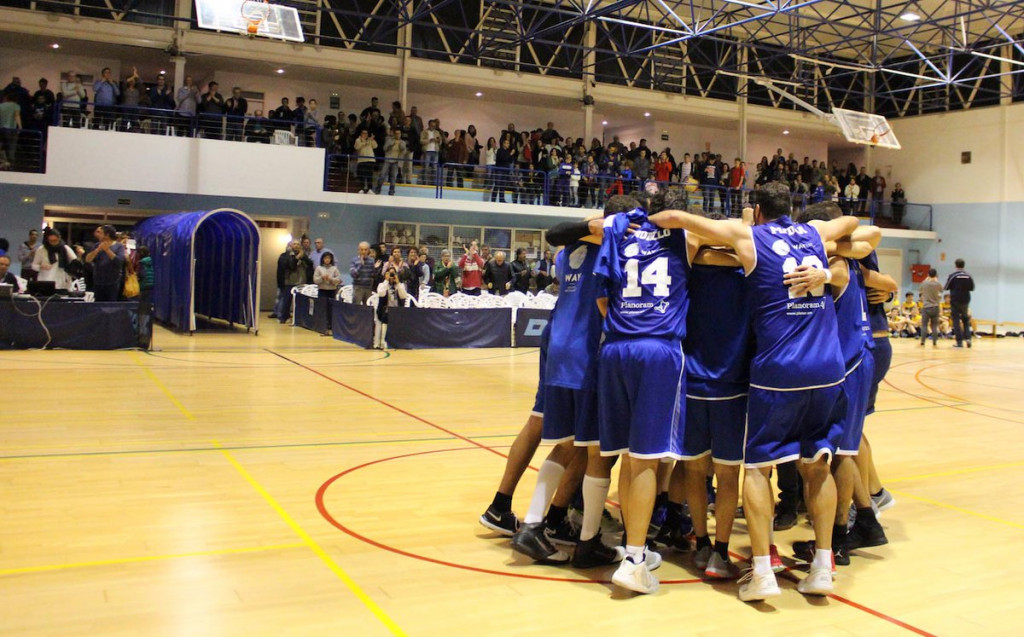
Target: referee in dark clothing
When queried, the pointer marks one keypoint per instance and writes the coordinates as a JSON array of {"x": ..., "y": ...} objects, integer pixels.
[{"x": 960, "y": 285}]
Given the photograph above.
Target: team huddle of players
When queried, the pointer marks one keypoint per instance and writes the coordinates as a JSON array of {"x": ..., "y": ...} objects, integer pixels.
[{"x": 714, "y": 343}]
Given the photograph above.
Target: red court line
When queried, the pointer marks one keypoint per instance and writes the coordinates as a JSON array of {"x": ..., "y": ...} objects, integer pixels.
[
  {"x": 327, "y": 516},
  {"x": 336, "y": 523},
  {"x": 389, "y": 405}
]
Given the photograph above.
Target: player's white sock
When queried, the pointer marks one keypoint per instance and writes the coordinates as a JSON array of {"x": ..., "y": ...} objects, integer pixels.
[
  {"x": 762, "y": 564},
  {"x": 595, "y": 491},
  {"x": 822, "y": 559},
  {"x": 635, "y": 553},
  {"x": 548, "y": 477}
]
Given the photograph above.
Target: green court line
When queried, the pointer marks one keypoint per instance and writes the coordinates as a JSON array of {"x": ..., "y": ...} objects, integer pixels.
[{"x": 298, "y": 445}]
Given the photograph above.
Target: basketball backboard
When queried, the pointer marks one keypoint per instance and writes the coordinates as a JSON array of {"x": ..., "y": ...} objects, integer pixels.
[
  {"x": 273, "y": 21},
  {"x": 865, "y": 128}
]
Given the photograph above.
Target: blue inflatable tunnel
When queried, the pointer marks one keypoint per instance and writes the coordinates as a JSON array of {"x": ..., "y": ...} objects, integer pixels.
[{"x": 204, "y": 264}]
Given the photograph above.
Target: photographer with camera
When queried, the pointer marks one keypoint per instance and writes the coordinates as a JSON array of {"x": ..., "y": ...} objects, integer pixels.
[{"x": 391, "y": 293}]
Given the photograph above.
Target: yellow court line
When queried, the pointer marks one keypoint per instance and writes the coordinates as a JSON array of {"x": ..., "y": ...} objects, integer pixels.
[
  {"x": 957, "y": 472},
  {"x": 163, "y": 388},
  {"x": 316, "y": 548},
  {"x": 990, "y": 518},
  {"x": 147, "y": 558}
]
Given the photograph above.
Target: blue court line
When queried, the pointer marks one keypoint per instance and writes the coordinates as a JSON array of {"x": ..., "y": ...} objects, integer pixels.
[{"x": 297, "y": 445}]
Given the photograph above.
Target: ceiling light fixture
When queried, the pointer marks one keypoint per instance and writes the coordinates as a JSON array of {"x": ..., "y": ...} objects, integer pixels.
[
  {"x": 604, "y": 122},
  {"x": 54, "y": 46},
  {"x": 647, "y": 114},
  {"x": 785, "y": 132},
  {"x": 280, "y": 71},
  {"x": 910, "y": 16},
  {"x": 479, "y": 94}
]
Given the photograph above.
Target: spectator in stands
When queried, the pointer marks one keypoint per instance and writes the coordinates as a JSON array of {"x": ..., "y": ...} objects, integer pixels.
[
  {"x": 282, "y": 115},
  {"x": 161, "y": 97},
  {"x": 318, "y": 250},
  {"x": 7, "y": 277},
  {"x": 26, "y": 253},
  {"x": 185, "y": 110},
  {"x": 130, "y": 101},
  {"x": 52, "y": 259},
  {"x": 211, "y": 112},
  {"x": 542, "y": 270},
  {"x": 291, "y": 271},
  {"x": 960, "y": 285},
  {"x": 105, "y": 93},
  {"x": 432, "y": 143},
  {"x": 364, "y": 147},
  {"x": 391, "y": 293},
  {"x": 236, "y": 108},
  {"x": 45, "y": 92},
  {"x": 10, "y": 123},
  {"x": 327, "y": 279},
  {"x": 737, "y": 182},
  {"x": 864, "y": 183},
  {"x": 361, "y": 269},
  {"x": 365, "y": 115},
  {"x": 521, "y": 273},
  {"x": 850, "y": 197},
  {"x": 397, "y": 117},
  {"x": 108, "y": 262},
  {"x": 446, "y": 275},
  {"x": 415, "y": 131},
  {"x": 395, "y": 263},
  {"x": 498, "y": 275},
  {"x": 877, "y": 193},
  {"x": 5, "y": 246},
  {"x": 426, "y": 258},
  {"x": 416, "y": 273},
  {"x": 471, "y": 266},
  {"x": 456, "y": 153},
  {"x": 394, "y": 151},
  {"x": 310, "y": 124},
  {"x": 20, "y": 94},
  {"x": 40, "y": 116},
  {"x": 899, "y": 203},
  {"x": 72, "y": 94},
  {"x": 258, "y": 129}
]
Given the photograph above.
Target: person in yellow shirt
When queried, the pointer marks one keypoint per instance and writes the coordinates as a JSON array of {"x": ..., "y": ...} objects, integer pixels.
[{"x": 912, "y": 313}]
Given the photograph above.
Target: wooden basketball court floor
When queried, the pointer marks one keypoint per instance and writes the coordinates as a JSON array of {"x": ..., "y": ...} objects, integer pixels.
[{"x": 291, "y": 484}]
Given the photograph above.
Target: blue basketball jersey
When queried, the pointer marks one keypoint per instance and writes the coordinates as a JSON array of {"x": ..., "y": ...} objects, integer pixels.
[
  {"x": 576, "y": 320},
  {"x": 645, "y": 276},
  {"x": 876, "y": 311},
  {"x": 718, "y": 343},
  {"x": 796, "y": 337},
  {"x": 852, "y": 319}
]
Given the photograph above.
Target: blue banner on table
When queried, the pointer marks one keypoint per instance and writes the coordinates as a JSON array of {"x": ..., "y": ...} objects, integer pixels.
[
  {"x": 311, "y": 313},
  {"x": 530, "y": 323},
  {"x": 421, "y": 328},
  {"x": 352, "y": 323},
  {"x": 71, "y": 325}
]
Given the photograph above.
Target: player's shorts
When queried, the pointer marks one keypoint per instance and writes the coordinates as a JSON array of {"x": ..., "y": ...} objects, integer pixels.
[
  {"x": 716, "y": 418},
  {"x": 641, "y": 398},
  {"x": 786, "y": 425},
  {"x": 882, "y": 353},
  {"x": 856, "y": 388},
  {"x": 570, "y": 414},
  {"x": 538, "y": 399}
]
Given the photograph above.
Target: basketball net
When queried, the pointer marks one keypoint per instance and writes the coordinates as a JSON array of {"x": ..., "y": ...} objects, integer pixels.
[{"x": 255, "y": 13}]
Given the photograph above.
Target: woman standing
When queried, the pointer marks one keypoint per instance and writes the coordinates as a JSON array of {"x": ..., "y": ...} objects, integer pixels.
[
  {"x": 490, "y": 160},
  {"x": 52, "y": 259},
  {"x": 327, "y": 279}
]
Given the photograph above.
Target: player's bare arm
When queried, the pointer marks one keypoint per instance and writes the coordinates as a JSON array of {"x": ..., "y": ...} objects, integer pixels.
[
  {"x": 713, "y": 232},
  {"x": 860, "y": 244}
]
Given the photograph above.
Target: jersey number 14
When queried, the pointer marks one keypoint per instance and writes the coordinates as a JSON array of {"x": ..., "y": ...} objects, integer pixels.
[{"x": 655, "y": 274}]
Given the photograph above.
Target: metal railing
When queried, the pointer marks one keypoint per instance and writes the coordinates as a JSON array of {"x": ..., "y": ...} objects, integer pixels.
[
  {"x": 23, "y": 150},
  {"x": 160, "y": 121}
]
